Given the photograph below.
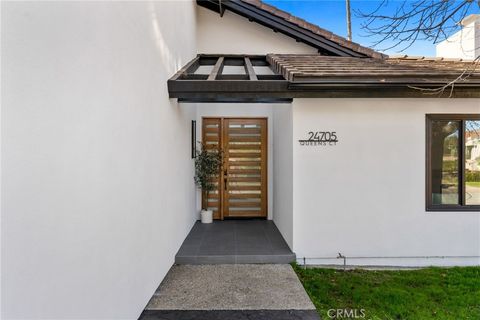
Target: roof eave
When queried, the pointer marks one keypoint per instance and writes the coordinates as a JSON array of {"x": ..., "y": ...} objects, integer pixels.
[
  {"x": 278, "y": 24},
  {"x": 284, "y": 91}
]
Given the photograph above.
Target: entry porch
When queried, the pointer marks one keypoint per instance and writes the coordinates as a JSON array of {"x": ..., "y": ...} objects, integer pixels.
[{"x": 234, "y": 242}]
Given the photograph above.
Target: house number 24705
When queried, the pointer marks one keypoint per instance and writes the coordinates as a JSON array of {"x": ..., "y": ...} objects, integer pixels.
[{"x": 320, "y": 138}]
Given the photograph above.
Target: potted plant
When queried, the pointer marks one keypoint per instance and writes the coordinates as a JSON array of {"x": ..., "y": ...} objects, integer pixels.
[{"x": 208, "y": 163}]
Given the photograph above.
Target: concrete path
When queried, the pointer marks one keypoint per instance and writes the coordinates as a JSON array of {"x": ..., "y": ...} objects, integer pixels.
[{"x": 260, "y": 291}]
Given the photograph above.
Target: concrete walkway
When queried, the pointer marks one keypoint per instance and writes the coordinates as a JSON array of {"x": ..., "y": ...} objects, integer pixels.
[{"x": 260, "y": 291}]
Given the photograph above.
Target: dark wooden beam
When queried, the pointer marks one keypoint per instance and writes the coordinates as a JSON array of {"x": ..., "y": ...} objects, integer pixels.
[
  {"x": 232, "y": 55},
  {"x": 233, "y": 99},
  {"x": 177, "y": 88},
  {"x": 217, "y": 69},
  {"x": 249, "y": 69},
  {"x": 379, "y": 90},
  {"x": 232, "y": 90},
  {"x": 189, "y": 68}
]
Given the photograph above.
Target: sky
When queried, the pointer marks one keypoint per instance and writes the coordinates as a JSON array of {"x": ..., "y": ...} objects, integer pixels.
[{"x": 331, "y": 15}]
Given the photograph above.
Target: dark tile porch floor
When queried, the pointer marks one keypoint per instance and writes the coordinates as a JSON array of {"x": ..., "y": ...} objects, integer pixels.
[{"x": 234, "y": 242}]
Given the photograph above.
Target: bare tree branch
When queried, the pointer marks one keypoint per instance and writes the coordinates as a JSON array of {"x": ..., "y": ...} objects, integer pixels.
[
  {"x": 430, "y": 20},
  {"x": 451, "y": 84}
]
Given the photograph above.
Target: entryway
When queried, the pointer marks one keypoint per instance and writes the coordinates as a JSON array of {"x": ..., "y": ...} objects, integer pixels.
[
  {"x": 242, "y": 185},
  {"x": 234, "y": 242}
]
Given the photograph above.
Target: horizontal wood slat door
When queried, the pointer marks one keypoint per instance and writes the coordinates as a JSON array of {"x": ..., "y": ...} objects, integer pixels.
[
  {"x": 245, "y": 168},
  {"x": 242, "y": 185},
  {"x": 212, "y": 139}
]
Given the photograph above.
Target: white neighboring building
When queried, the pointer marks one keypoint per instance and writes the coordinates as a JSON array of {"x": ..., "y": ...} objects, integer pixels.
[{"x": 464, "y": 44}]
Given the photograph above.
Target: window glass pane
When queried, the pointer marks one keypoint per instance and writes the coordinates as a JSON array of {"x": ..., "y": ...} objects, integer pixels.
[
  {"x": 472, "y": 162},
  {"x": 444, "y": 161}
]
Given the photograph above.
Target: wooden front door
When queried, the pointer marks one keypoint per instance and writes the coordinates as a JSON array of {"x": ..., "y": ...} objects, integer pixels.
[{"x": 242, "y": 185}]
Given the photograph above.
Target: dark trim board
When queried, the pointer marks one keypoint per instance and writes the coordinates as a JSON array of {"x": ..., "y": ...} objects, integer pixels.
[
  {"x": 176, "y": 88},
  {"x": 380, "y": 90},
  {"x": 229, "y": 99},
  {"x": 285, "y": 93}
]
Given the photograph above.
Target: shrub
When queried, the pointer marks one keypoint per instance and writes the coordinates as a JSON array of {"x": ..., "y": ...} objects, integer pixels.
[{"x": 471, "y": 176}]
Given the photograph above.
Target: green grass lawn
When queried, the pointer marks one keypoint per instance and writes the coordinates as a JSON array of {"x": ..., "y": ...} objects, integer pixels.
[
  {"x": 473, "y": 183},
  {"x": 431, "y": 293}
]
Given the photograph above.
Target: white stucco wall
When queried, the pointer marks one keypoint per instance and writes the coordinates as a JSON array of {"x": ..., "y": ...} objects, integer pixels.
[
  {"x": 283, "y": 171},
  {"x": 234, "y": 34},
  {"x": 366, "y": 196},
  {"x": 97, "y": 190},
  {"x": 463, "y": 44}
]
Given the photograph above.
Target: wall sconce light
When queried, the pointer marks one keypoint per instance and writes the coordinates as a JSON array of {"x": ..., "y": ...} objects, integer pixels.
[{"x": 194, "y": 139}]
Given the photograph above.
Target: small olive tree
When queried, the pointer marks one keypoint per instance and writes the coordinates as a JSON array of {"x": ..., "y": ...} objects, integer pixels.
[{"x": 208, "y": 163}]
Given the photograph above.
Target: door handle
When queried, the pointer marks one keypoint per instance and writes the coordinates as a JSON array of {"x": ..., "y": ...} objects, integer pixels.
[{"x": 225, "y": 178}]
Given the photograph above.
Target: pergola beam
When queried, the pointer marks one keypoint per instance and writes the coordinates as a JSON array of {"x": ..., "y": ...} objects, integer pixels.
[
  {"x": 217, "y": 69},
  {"x": 249, "y": 69},
  {"x": 189, "y": 68}
]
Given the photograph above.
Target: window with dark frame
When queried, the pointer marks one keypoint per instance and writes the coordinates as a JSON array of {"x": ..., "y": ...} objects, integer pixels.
[{"x": 453, "y": 162}]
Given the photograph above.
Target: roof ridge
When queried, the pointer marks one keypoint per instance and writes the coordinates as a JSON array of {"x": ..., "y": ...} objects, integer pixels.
[{"x": 315, "y": 29}]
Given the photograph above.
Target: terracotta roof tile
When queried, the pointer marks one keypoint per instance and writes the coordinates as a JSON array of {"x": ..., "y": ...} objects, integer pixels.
[
  {"x": 313, "y": 68},
  {"x": 282, "y": 14},
  {"x": 422, "y": 58}
]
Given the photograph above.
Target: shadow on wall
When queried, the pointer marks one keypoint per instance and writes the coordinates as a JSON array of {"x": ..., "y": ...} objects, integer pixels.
[{"x": 171, "y": 60}]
